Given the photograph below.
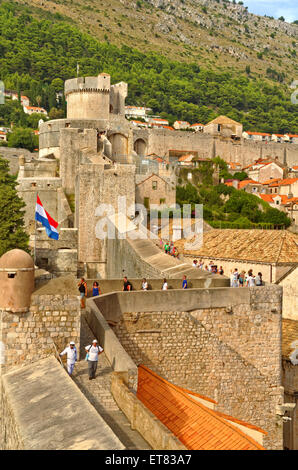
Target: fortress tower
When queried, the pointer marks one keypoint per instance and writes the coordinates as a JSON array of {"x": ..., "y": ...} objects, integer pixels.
[
  {"x": 16, "y": 281},
  {"x": 88, "y": 97}
]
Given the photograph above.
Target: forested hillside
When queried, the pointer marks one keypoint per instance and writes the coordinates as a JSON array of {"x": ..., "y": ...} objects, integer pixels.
[{"x": 37, "y": 56}]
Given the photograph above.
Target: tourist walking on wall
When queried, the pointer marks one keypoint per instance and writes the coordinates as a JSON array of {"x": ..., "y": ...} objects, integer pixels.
[
  {"x": 71, "y": 352},
  {"x": 221, "y": 271},
  {"x": 184, "y": 283},
  {"x": 96, "y": 289},
  {"x": 165, "y": 285},
  {"x": 144, "y": 284},
  {"x": 93, "y": 351},
  {"x": 126, "y": 284},
  {"x": 259, "y": 279},
  {"x": 235, "y": 278},
  {"x": 83, "y": 291},
  {"x": 241, "y": 279},
  {"x": 250, "y": 280}
]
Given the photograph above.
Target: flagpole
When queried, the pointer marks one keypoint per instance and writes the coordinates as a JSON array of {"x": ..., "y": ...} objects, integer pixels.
[{"x": 35, "y": 237}]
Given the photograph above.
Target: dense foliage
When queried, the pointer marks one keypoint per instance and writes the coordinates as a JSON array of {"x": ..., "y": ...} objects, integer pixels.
[
  {"x": 37, "y": 56},
  {"x": 12, "y": 233},
  {"x": 228, "y": 207}
]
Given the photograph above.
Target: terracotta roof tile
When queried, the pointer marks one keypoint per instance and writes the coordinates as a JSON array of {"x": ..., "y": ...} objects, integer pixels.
[
  {"x": 195, "y": 425},
  {"x": 269, "y": 246},
  {"x": 244, "y": 183}
]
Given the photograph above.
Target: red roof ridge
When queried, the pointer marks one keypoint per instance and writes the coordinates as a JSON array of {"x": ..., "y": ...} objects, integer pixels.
[
  {"x": 176, "y": 387},
  {"x": 239, "y": 421}
]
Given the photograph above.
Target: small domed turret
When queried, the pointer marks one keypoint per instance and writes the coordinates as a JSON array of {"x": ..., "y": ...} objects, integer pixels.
[{"x": 16, "y": 280}]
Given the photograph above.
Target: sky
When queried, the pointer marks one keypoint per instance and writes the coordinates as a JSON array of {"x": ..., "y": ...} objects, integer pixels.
[{"x": 276, "y": 8}]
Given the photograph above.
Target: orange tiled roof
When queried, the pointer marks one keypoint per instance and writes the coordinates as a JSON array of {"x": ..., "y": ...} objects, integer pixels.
[
  {"x": 195, "y": 425},
  {"x": 234, "y": 165},
  {"x": 270, "y": 198},
  {"x": 266, "y": 197},
  {"x": 34, "y": 107},
  {"x": 185, "y": 157},
  {"x": 244, "y": 183},
  {"x": 272, "y": 180},
  {"x": 287, "y": 181},
  {"x": 257, "y": 133},
  {"x": 197, "y": 124}
]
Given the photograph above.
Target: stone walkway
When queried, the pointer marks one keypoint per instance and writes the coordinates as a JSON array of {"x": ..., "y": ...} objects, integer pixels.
[{"x": 98, "y": 393}]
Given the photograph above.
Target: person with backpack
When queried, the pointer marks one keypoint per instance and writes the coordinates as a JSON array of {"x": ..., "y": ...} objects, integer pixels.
[
  {"x": 93, "y": 351},
  {"x": 71, "y": 352}
]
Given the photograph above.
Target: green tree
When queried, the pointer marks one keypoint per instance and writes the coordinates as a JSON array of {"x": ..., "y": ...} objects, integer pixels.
[
  {"x": 12, "y": 232},
  {"x": 23, "y": 138},
  {"x": 240, "y": 175}
]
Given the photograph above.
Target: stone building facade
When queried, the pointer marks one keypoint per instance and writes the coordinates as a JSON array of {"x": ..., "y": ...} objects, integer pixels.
[{"x": 156, "y": 190}]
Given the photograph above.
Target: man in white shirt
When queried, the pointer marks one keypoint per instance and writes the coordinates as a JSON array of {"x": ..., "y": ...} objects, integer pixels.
[
  {"x": 93, "y": 352},
  {"x": 71, "y": 352},
  {"x": 250, "y": 281}
]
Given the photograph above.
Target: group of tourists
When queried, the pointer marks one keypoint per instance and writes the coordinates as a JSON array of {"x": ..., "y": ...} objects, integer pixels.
[
  {"x": 169, "y": 248},
  {"x": 127, "y": 286},
  {"x": 93, "y": 351},
  {"x": 211, "y": 267},
  {"x": 82, "y": 285},
  {"x": 244, "y": 279}
]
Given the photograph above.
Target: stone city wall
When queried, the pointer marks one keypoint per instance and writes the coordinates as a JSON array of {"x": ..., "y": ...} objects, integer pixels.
[
  {"x": 13, "y": 154},
  {"x": 31, "y": 336},
  {"x": 95, "y": 186},
  {"x": 290, "y": 383},
  {"x": 46, "y": 188},
  {"x": 161, "y": 141},
  {"x": 205, "y": 351},
  {"x": 49, "y": 132}
]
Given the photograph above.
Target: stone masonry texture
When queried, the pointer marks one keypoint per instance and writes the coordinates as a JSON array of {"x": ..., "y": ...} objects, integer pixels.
[{"x": 31, "y": 336}]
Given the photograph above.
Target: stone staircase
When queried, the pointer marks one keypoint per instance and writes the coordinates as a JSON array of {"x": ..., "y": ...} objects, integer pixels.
[{"x": 98, "y": 392}]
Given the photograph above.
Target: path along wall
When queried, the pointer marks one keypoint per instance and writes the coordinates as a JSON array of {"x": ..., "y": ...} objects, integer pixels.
[
  {"x": 214, "y": 342},
  {"x": 43, "y": 409}
]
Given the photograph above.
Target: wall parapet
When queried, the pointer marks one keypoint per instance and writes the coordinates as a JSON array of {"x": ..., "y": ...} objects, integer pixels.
[
  {"x": 142, "y": 419},
  {"x": 119, "y": 359}
]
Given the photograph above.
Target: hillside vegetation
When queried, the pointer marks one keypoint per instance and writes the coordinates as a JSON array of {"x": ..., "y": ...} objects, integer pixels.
[
  {"x": 213, "y": 33},
  {"x": 36, "y": 56}
]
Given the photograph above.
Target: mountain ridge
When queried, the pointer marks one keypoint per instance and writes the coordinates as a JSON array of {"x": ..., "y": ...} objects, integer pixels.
[{"x": 213, "y": 33}]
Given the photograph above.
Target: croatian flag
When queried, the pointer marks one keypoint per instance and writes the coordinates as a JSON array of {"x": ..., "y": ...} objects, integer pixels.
[{"x": 42, "y": 216}]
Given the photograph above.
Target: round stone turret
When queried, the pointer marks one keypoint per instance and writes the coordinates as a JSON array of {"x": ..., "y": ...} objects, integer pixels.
[
  {"x": 16, "y": 281},
  {"x": 88, "y": 97}
]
